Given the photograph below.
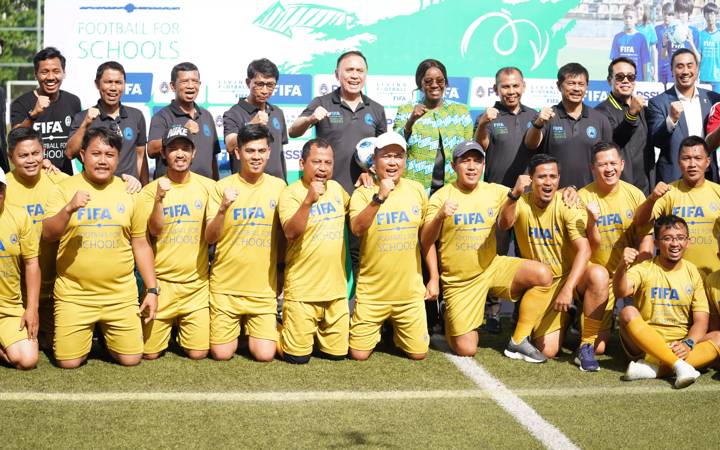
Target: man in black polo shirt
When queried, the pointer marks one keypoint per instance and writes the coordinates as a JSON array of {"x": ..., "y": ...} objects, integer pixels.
[
  {"x": 262, "y": 77},
  {"x": 344, "y": 117},
  {"x": 183, "y": 111},
  {"x": 500, "y": 131},
  {"x": 626, "y": 113},
  {"x": 109, "y": 113},
  {"x": 569, "y": 129},
  {"x": 48, "y": 109}
]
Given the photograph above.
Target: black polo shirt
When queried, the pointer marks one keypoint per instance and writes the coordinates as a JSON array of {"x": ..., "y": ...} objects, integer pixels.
[
  {"x": 130, "y": 124},
  {"x": 206, "y": 141},
  {"x": 507, "y": 157},
  {"x": 240, "y": 115},
  {"x": 343, "y": 128},
  {"x": 570, "y": 140},
  {"x": 631, "y": 134},
  {"x": 53, "y": 124}
]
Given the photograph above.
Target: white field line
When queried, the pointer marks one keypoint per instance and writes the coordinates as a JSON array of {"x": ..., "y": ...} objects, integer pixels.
[{"x": 542, "y": 430}]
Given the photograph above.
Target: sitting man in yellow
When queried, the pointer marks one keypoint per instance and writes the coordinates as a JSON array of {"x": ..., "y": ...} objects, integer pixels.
[
  {"x": 387, "y": 218},
  {"x": 18, "y": 253},
  {"x": 461, "y": 218},
  {"x": 176, "y": 205},
  {"x": 665, "y": 330},
  {"x": 102, "y": 238},
  {"x": 550, "y": 232},
  {"x": 611, "y": 205},
  {"x": 243, "y": 221},
  {"x": 693, "y": 198},
  {"x": 312, "y": 211}
]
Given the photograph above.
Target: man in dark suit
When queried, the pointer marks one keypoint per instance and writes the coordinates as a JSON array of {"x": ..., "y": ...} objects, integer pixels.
[{"x": 677, "y": 113}]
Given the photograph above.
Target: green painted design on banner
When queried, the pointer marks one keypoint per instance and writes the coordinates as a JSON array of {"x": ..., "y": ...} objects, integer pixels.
[{"x": 470, "y": 37}]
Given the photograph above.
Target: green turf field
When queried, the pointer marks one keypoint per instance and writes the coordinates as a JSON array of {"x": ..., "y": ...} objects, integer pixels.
[{"x": 386, "y": 402}]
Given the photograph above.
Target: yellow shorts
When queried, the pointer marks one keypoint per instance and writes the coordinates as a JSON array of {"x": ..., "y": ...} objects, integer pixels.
[
  {"x": 120, "y": 324},
  {"x": 465, "y": 305},
  {"x": 257, "y": 315},
  {"x": 186, "y": 305},
  {"x": 9, "y": 330},
  {"x": 409, "y": 325},
  {"x": 304, "y": 322},
  {"x": 551, "y": 320}
]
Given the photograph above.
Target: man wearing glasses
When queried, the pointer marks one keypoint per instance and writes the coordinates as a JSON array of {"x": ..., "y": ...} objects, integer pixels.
[
  {"x": 626, "y": 113},
  {"x": 262, "y": 77},
  {"x": 693, "y": 198},
  {"x": 184, "y": 112}
]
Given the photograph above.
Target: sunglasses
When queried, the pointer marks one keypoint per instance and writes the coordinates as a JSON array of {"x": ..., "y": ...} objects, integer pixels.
[{"x": 621, "y": 76}]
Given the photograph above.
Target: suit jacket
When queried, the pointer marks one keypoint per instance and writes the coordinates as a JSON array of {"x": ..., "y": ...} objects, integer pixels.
[{"x": 667, "y": 169}]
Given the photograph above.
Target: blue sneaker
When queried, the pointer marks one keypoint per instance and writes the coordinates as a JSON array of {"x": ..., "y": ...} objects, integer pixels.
[{"x": 586, "y": 358}]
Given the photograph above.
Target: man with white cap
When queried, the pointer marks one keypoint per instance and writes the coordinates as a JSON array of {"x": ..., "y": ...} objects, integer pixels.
[{"x": 387, "y": 218}]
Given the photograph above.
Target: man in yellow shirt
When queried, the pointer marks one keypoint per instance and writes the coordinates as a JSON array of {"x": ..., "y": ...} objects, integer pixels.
[
  {"x": 387, "y": 218},
  {"x": 18, "y": 253},
  {"x": 176, "y": 204},
  {"x": 243, "y": 221},
  {"x": 102, "y": 238},
  {"x": 461, "y": 220},
  {"x": 693, "y": 198},
  {"x": 611, "y": 205},
  {"x": 665, "y": 330},
  {"x": 312, "y": 211},
  {"x": 549, "y": 231}
]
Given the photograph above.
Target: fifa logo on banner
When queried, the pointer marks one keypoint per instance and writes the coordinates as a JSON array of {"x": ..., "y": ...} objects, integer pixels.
[
  {"x": 293, "y": 89},
  {"x": 138, "y": 87}
]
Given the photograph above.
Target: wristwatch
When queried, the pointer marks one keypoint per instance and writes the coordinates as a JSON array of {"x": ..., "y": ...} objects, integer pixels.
[
  {"x": 689, "y": 342},
  {"x": 512, "y": 197},
  {"x": 153, "y": 290},
  {"x": 376, "y": 199}
]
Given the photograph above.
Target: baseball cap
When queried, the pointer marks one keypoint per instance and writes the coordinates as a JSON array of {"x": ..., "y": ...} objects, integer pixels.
[
  {"x": 465, "y": 147},
  {"x": 390, "y": 138},
  {"x": 177, "y": 132}
]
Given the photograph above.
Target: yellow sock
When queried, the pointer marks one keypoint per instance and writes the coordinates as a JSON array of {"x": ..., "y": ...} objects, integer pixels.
[
  {"x": 650, "y": 341},
  {"x": 534, "y": 303},
  {"x": 703, "y": 354},
  {"x": 590, "y": 330}
]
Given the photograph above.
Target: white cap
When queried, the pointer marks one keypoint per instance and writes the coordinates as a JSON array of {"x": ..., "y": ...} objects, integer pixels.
[
  {"x": 390, "y": 138},
  {"x": 3, "y": 178}
]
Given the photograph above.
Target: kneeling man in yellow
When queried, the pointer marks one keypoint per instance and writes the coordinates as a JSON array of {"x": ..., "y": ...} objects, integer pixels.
[
  {"x": 18, "y": 316},
  {"x": 388, "y": 218},
  {"x": 611, "y": 205},
  {"x": 665, "y": 330},
  {"x": 312, "y": 212},
  {"x": 462, "y": 218},
  {"x": 693, "y": 198},
  {"x": 176, "y": 204},
  {"x": 550, "y": 232},
  {"x": 243, "y": 221},
  {"x": 102, "y": 238}
]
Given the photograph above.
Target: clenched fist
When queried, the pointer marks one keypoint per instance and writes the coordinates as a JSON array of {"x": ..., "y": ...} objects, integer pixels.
[
  {"x": 488, "y": 116},
  {"x": 319, "y": 114},
  {"x": 229, "y": 195},
  {"x": 79, "y": 200},
  {"x": 449, "y": 208},
  {"x": 260, "y": 118},
  {"x": 315, "y": 191},
  {"x": 162, "y": 188},
  {"x": 386, "y": 187},
  {"x": 660, "y": 190},
  {"x": 192, "y": 126}
]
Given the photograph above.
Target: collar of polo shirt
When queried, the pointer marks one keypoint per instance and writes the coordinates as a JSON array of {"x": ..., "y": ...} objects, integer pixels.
[{"x": 123, "y": 111}]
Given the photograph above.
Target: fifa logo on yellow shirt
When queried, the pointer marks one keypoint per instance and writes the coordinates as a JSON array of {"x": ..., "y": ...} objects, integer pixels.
[
  {"x": 322, "y": 208},
  {"x": 540, "y": 233},
  {"x": 664, "y": 293},
  {"x": 176, "y": 210},
  {"x": 609, "y": 219},
  {"x": 688, "y": 211},
  {"x": 35, "y": 209},
  {"x": 90, "y": 214},
  {"x": 253, "y": 212},
  {"x": 391, "y": 217}
]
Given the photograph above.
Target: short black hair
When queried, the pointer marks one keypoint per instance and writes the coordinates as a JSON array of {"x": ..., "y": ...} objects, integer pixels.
[
  {"x": 264, "y": 67},
  {"x": 682, "y": 51},
  {"x": 109, "y": 65},
  {"x": 710, "y": 8},
  {"x": 350, "y": 53},
  {"x": 693, "y": 141},
  {"x": 48, "y": 53},
  {"x": 684, "y": 6},
  {"x": 426, "y": 65},
  {"x": 617, "y": 60},
  {"x": 539, "y": 159},
  {"x": 182, "y": 67},
  {"x": 317, "y": 143},
  {"x": 603, "y": 147},
  {"x": 253, "y": 132},
  {"x": 667, "y": 8},
  {"x": 668, "y": 221},
  {"x": 507, "y": 70},
  {"x": 105, "y": 135},
  {"x": 572, "y": 70},
  {"x": 22, "y": 134}
]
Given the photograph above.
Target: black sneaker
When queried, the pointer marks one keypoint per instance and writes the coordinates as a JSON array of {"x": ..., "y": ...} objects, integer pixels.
[{"x": 493, "y": 326}]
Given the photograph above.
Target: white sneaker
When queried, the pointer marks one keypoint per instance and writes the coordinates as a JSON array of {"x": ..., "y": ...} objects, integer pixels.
[
  {"x": 640, "y": 370},
  {"x": 685, "y": 374}
]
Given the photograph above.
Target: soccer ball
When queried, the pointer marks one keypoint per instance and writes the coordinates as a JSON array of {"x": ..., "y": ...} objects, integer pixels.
[
  {"x": 365, "y": 152},
  {"x": 677, "y": 33}
]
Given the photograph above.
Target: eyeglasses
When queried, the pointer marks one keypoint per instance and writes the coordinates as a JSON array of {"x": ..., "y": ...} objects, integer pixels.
[
  {"x": 621, "y": 76},
  {"x": 260, "y": 85},
  {"x": 669, "y": 239}
]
